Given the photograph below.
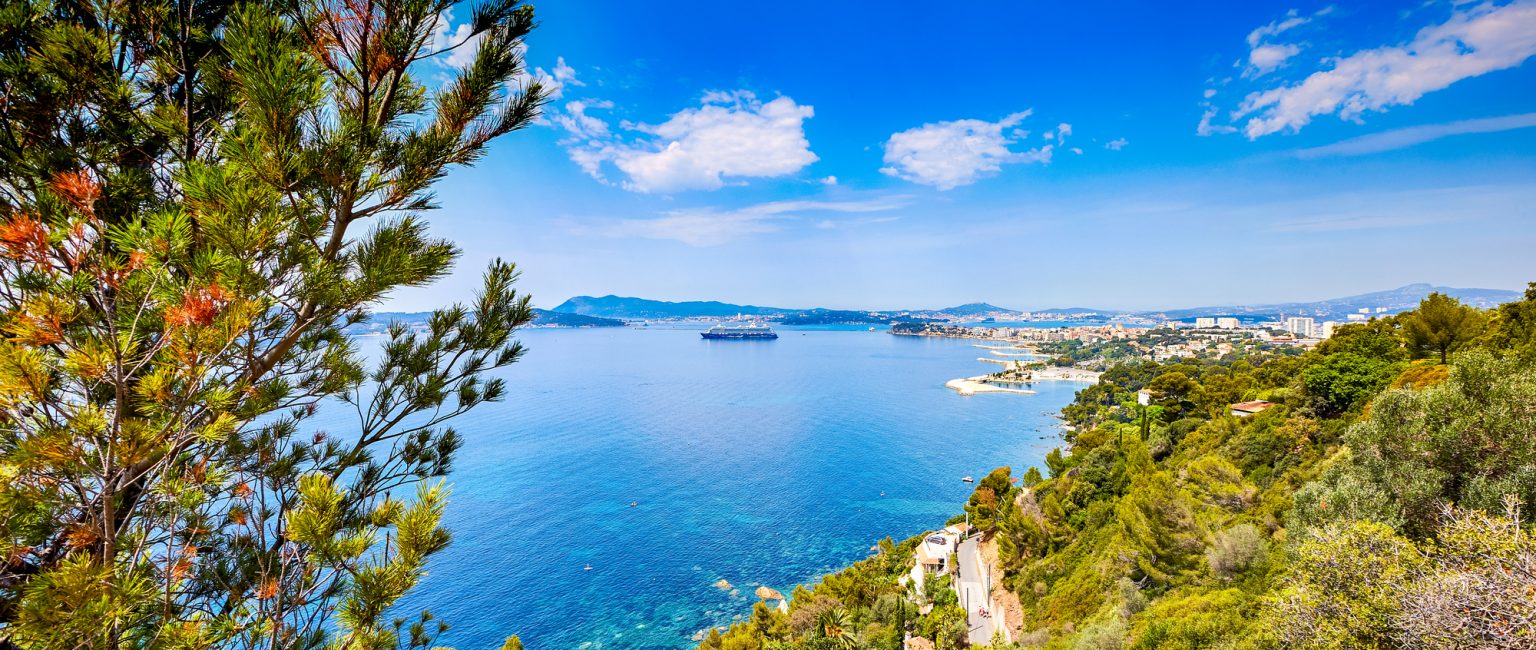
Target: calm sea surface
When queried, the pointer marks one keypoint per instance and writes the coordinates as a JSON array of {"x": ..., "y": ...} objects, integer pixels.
[{"x": 752, "y": 462}]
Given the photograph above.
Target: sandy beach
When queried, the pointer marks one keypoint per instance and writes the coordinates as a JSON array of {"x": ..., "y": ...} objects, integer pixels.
[{"x": 973, "y": 385}]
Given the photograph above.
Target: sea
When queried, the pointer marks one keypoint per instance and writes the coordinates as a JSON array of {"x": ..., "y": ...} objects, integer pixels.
[{"x": 632, "y": 470}]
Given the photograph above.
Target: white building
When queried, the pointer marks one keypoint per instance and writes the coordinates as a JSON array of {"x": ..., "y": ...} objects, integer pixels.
[
  {"x": 932, "y": 556},
  {"x": 1227, "y": 323},
  {"x": 1328, "y": 327},
  {"x": 1300, "y": 326},
  {"x": 1204, "y": 323}
]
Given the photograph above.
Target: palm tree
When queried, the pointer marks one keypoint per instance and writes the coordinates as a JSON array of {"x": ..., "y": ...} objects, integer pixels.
[{"x": 834, "y": 624}]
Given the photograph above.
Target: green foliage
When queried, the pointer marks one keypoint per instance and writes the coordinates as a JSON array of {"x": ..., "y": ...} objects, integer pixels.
[
  {"x": 1176, "y": 393},
  {"x": 1236, "y": 549},
  {"x": 1513, "y": 330},
  {"x": 1345, "y": 583},
  {"x": 1158, "y": 523},
  {"x": 1359, "y": 585},
  {"x": 1442, "y": 325},
  {"x": 989, "y": 499},
  {"x": 1345, "y": 381},
  {"x": 198, "y": 198},
  {"x": 1465, "y": 441},
  {"x": 1196, "y": 618},
  {"x": 1377, "y": 339}
]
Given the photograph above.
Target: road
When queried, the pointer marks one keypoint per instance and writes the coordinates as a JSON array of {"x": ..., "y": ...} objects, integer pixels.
[{"x": 973, "y": 592}]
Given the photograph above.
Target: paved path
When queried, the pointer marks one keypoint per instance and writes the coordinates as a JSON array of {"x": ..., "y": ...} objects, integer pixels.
[{"x": 973, "y": 592}]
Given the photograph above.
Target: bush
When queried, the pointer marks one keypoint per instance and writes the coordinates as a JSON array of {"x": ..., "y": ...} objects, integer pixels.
[{"x": 1235, "y": 549}]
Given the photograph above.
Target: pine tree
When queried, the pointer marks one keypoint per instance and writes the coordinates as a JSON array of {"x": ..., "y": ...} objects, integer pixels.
[
  {"x": 1442, "y": 325},
  {"x": 1157, "y": 521},
  {"x": 196, "y": 199}
]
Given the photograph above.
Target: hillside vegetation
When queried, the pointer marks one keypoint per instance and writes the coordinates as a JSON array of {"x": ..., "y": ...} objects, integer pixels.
[{"x": 1384, "y": 501}]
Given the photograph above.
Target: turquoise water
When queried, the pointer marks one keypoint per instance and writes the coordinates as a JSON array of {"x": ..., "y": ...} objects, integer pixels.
[{"x": 752, "y": 462}]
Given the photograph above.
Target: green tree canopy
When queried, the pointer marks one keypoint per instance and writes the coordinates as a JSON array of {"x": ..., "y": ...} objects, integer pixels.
[
  {"x": 1466, "y": 441},
  {"x": 1441, "y": 325},
  {"x": 196, "y": 198}
]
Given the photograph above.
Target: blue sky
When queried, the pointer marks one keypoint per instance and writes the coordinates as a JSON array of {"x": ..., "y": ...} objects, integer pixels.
[{"x": 1032, "y": 155}]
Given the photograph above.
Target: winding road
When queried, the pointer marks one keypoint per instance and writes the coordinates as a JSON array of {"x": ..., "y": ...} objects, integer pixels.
[{"x": 973, "y": 592}]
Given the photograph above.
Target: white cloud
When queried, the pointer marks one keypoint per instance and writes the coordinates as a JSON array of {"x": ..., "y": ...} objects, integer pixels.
[
  {"x": 1474, "y": 41},
  {"x": 730, "y": 136},
  {"x": 947, "y": 155},
  {"x": 710, "y": 226},
  {"x": 1207, "y": 128},
  {"x": 1265, "y": 58},
  {"x": 446, "y": 36},
  {"x": 575, "y": 120},
  {"x": 1264, "y": 54},
  {"x": 1290, "y": 21},
  {"x": 1407, "y": 137},
  {"x": 555, "y": 81},
  {"x": 1116, "y": 144},
  {"x": 1076, "y": 150},
  {"x": 830, "y": 180}
]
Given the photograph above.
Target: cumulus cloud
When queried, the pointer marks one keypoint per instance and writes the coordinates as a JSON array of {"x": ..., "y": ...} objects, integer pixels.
[
  {"x": 731, "y": 136},
  {"x": 1407, "y": 137},
  {"x": 1267, "y": 57},
  {"x": 1207, "y": 127},
  {"x": 712, "y": 226},
  {"x": 1475, "y": 40},
  {"x": 1116, "y": 144},
  {"x": 1291, "y": 21},
  {"x": 947, "y": 155},
  {"x": 457, "y": 40}
]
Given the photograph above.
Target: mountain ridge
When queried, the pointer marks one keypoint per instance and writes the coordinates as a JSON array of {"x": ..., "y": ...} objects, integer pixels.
[{"x": 1392, "y": 300}]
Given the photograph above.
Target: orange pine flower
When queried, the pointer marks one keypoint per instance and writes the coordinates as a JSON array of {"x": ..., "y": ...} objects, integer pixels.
[
  {"x": 81, "y": 537},
  {"x": 79, "y": 189},
  {"x": 198, "y": 306},
  {"x": 26, "y": 239},
  {"x": 268, "y": 589}
]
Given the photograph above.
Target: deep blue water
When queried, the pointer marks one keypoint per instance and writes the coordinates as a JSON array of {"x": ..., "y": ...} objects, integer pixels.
[{"x": 753, "y": 462}]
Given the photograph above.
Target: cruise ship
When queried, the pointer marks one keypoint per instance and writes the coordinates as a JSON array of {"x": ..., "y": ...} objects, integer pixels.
[{"x": 746, "y": 332}]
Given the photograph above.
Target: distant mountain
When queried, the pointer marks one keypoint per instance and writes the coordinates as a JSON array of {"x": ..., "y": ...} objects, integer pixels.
[
  {"x": 978, "y": 309},
  {"x": 640, "y": 308},
  {"x": 550, "y": 318},
  {"x": 541, "y": 318},
  {"x": 835, "y": 317},
  {"x": 1390, "y": 302}
]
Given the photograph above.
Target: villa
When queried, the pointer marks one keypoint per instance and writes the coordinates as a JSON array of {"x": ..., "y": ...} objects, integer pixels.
[
  {"x": 1245, "y": 409},
  {"x": 932, "y": 556}
]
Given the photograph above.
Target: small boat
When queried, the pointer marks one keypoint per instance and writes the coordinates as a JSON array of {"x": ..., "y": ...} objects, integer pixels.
[
  {"x": 587, "y": 568},
  {"x": 968, "y": 479},
  {"x": 634, "y": 504}
]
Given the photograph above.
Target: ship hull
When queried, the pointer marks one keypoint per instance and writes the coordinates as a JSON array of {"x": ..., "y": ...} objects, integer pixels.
[{"x": 739, "y": 336}]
